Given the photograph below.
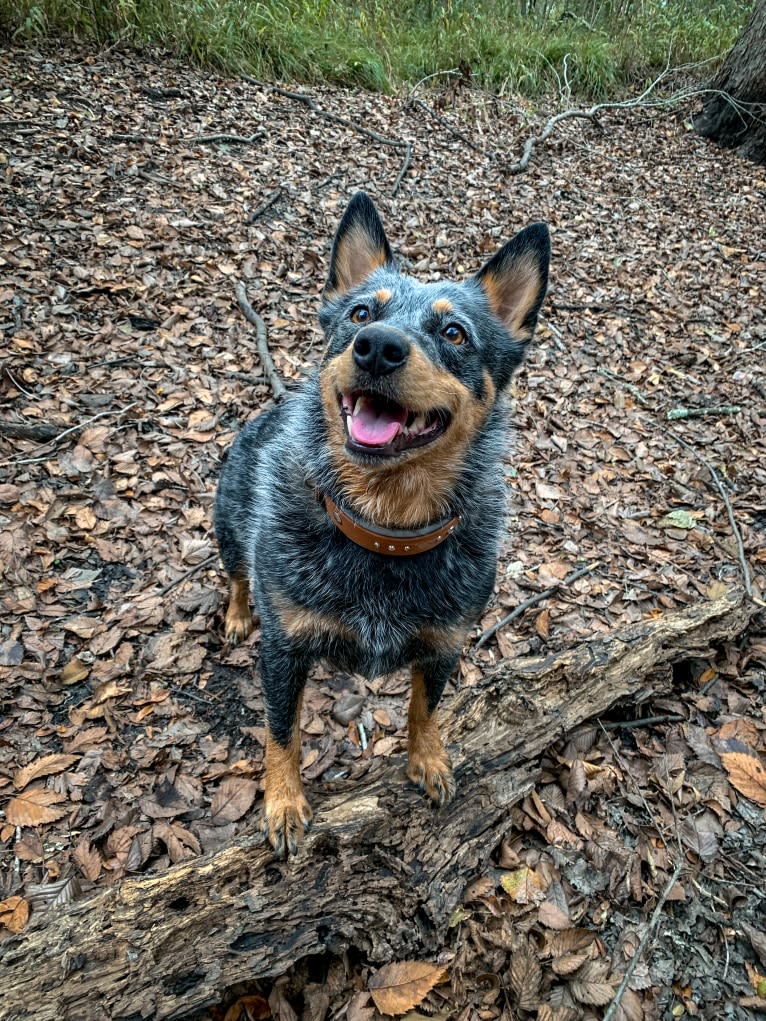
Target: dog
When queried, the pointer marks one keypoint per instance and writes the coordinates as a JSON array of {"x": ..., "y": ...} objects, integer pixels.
[{"x": 363, "y": 515}]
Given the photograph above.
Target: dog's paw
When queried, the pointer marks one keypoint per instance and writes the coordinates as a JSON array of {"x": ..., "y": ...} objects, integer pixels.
[
  {"x": 433, "y": 774},
  {"x": 285, "y": 820},
  {"x": 239, "y": 623}
]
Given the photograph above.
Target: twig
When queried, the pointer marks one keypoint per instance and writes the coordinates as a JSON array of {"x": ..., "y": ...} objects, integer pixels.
[
  {"x": 721, "y": 409},
  {"x": 591, "y": 114},
  {"x": 261, "y": 342},
  {"x": 396, "y": 143},
  {"x": 727, "y": 504},
  {"x": 301, "y": 97},
  {"x": 265, "y": 205},
  {"x": 453, "y": 71},
  {"x": 187, "y": 574},
  {"x": 76, "y": 428},
  {"x": 533, "y": 600},
  {"x": 403, "y": 171},
  {"x": 645, "y": 721},
  {"x": 453, "y": 130},
  {"x": 632, "y": 390},
  {"x": 230, "y": 139},
  {"x": 535, "y": 140},
  {"x": 654, "y": 921}
]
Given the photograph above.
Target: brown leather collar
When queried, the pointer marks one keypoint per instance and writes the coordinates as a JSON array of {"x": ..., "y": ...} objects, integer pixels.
[{"x": 392, "y": 542}]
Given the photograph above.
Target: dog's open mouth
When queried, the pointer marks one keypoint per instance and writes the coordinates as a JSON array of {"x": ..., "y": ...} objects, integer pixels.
[{"x": 377, "y": 425}]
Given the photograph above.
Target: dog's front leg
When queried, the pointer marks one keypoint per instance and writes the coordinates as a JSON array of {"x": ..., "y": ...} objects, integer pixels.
[
  {"x": 286, "y": 812},
  {"x": 428, "y": 762}
]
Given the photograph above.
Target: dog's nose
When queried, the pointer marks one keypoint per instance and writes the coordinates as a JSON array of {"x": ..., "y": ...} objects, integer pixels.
[{"x": 380, "y": 349}]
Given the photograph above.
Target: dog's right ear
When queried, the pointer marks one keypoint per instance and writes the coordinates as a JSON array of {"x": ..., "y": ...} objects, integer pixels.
[{"x": 360, "y": 247}]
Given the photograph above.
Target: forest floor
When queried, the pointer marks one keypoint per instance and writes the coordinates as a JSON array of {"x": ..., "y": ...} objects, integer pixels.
[{"x": 136, "y": 193}]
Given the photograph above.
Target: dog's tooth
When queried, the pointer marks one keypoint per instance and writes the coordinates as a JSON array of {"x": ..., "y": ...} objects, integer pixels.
[
  {"x": 358, "y": 405},
  {"x": 418, "y": 424}
]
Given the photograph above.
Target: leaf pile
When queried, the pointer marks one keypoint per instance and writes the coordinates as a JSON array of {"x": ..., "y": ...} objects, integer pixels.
[{"x": 136, "y": 193}]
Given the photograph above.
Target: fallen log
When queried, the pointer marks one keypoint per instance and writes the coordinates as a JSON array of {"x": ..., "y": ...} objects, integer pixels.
[{"x": 381, "y": 870}]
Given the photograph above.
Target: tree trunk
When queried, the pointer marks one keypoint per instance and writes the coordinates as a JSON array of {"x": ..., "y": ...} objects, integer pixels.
[
  {"x": 380, "y": 870},
  {"x": 735, "y": 113}
]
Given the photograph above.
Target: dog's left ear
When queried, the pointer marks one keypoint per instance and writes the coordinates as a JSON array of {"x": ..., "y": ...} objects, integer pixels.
[
  {"x": 515, "y": 279},
  {"x": 360, "y": 247}
]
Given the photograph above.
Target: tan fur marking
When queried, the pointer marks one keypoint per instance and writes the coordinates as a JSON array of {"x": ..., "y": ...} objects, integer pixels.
[
  {"x": 286, "y": 811},
  {"x": 442, "y": 306},
  {"x": 428, "y": 762},
  {"x": 239, "y": 620},
  {"x": 355, "y": 259},
  {"x": 443, "y": 639},
  {"x": 511, "y": 295},
  {"x": 382, "y": 295},
  {"x": 300, "y": 622},
  {"x": 413, "y": 490}
]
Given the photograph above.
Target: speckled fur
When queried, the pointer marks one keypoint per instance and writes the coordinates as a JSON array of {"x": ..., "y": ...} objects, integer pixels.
[{"x": 362, "y": 611}]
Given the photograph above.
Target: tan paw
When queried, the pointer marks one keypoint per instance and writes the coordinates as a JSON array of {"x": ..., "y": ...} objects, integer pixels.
[
  {"x": 238, "y": 625},
  {"x": 434, "y": 775},
  {"x": 285, "y": 820}
]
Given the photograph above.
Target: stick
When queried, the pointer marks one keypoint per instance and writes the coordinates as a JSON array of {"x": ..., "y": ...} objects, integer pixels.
[
  {"x": 730, "y": 513},
  {"x": 640, "y": 100},
  {"x": 301, "y": 97},
  {"x": 187, "y": 574},
  {"x": 261, "y": 342},
  {"x": 642, "y": 945},
  {"x": 403, "y": 171},
  {"x": 76, "y": 428},
  {"x": 722, "y": 409},
  {"x": 231, "y": 139},
  {"x": 453, "y": 130},
  {"x": 265, "y": 205},
  {"x": 533, "y": 600}
]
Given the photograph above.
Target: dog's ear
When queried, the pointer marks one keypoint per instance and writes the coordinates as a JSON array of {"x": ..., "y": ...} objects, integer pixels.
[
  {"x": 360, "y": 247},
  {"x": 515, "y": 279}
]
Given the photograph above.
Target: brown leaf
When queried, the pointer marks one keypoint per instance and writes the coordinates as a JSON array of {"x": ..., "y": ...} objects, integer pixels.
[
  {"x": 14, "y": 914},
  {"x": 629, "y": 1008},
  {"x": 592, "y": 986},
  {"x": 747, "y": 773},
  {"x": 522, "y": 885},
  {"x": 525, "y": 976},
  {"x": 46, "y": 766},
  {"x": 74, "y": 671},
  {"x": 35, "y": 807},
  {"x": 232, "y": 800},
  {"x": 398, "y": 987},
  {"x": 88, "y": 860}
]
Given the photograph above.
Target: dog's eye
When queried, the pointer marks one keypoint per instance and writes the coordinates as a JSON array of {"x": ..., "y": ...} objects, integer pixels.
[
  {"x": 454, "y": 334},
  {"x": 360, "y": 314}
]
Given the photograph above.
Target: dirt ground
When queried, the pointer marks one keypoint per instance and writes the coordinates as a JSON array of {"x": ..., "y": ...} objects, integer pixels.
[{"x": 135, "y": 194}]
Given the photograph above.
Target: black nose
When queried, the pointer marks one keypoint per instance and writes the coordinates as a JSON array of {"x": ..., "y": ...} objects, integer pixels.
[{"x": 380, "y": 349}]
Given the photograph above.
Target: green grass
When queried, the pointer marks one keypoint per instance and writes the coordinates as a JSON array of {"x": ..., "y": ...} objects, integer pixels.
[{"x": 521, "y": 45}]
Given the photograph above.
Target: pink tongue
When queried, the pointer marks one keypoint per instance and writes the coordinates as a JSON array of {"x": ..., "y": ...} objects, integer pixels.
[{"x": 375, "y": 424}]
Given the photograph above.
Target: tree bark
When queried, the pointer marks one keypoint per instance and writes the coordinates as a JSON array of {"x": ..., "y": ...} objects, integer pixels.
[
  {"x": 734, "y": 114},
  {"x": 381, "y": 870}
]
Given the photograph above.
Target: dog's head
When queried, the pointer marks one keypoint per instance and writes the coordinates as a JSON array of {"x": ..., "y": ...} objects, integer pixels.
[{"x": 411, "y": 370}]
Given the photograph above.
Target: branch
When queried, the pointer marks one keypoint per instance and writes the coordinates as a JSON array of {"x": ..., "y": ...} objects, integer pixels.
[
  {"x": 644, "y": 941},
  {"x": 230, "y": 139},
  {"x": 261, "y": 342},
  {"x": 533, "y": 600},
  {"x": 591, "y": 114},
  {"x": 264, "y": 207},
  {"x": 403, "y": 171}
]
